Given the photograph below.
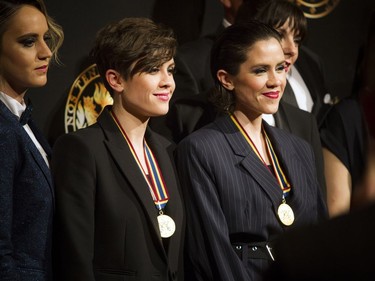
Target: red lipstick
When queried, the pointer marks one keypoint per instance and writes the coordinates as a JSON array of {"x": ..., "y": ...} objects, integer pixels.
[{"x": 272, "y": 95}]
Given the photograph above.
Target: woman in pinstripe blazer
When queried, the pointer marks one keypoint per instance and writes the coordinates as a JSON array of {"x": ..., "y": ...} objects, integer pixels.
[{"x": 244, "y": 181}]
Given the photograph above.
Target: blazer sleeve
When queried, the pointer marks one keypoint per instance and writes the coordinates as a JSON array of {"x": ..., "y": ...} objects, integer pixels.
[
  {"x": 209, "y": 253},
  {"x": 8, "y": 160},
  {"x": 73, "y": 167}
]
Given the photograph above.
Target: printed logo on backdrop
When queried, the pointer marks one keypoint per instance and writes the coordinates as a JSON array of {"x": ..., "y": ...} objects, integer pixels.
[
  {"x": 315, "y": 9},
  {"x": 86, "y": 100}
]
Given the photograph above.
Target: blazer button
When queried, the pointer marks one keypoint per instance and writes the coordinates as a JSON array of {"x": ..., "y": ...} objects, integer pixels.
[
  {"x": 238, "y": 247},
  {"x": 254, "y": 248}
]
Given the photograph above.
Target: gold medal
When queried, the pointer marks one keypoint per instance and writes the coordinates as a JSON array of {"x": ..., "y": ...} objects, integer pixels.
[
  {"x": 285, "y": 214},
  {"x": 166, "y": 225}
]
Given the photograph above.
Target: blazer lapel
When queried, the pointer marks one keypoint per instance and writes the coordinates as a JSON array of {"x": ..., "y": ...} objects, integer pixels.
[
  {"x": 289, "y": 161},
  {"x": 289, "y": 96},
  {"x": 36, "y": 154},
  {"x": 123, "y": 157},
  {"x": 281, "y": 118},
  {"x": 30, "y": 145},
  {"x": 251, "y": 162},
  {"x": 42, "y": 166}
]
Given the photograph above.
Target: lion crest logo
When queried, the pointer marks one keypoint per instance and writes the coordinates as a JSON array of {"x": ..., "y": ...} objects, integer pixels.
[{"x": 86, "y": 100}]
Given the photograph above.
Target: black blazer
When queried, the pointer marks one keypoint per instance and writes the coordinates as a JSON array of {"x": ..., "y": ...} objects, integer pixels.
[
  {"x": 231, "y": 197},
  {"x": 106, "y": 226},
  {"x": 26, "y": 203}
]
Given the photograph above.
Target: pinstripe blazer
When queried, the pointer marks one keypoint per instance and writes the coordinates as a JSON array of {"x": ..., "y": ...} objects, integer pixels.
[
  {"x": 231, "y": 197},
  {"x": 26, "y": 203}
]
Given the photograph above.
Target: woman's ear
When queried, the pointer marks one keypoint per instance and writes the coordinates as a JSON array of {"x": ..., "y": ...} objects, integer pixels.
[
  {"x": 115, "y": 80},
  {"x": 225, "y": 79}
]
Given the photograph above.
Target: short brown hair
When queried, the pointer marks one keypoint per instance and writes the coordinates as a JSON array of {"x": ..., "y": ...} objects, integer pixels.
[{"x": 131, "y": 46}]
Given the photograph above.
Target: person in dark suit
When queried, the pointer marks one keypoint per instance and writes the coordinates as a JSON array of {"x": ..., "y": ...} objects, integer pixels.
[
  {"x": 29, "y": 41},
  {"x": 244, "y": 181},
  {"x": 118, "y": 204}
]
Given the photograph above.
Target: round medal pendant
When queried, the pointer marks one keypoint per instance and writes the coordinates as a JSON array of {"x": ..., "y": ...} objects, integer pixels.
[
  {"x": 285, "y": 214},
  {"x": 166, "y": 225}
]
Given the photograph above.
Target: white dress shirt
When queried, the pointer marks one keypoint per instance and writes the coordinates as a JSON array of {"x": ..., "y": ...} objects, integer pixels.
[
  {"x": 301, "y": 92},
  {"x": 17, "y": 109}
]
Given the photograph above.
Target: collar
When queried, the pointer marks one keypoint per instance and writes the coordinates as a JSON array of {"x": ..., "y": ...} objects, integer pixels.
[
  {"x": 226, "y": 23},
  {"x": 270, "y": 119},
  {"x": 12, "y": 104}
]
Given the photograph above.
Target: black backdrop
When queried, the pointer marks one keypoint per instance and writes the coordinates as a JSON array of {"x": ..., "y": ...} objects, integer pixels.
[{"x": 336, "y": 38}]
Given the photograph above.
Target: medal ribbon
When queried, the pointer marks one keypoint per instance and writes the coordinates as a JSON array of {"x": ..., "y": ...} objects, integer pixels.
[
  {"x": 155, "y": 182},
  {"x": 158, "y": 186},
  {"x": 279, "y": 174}
]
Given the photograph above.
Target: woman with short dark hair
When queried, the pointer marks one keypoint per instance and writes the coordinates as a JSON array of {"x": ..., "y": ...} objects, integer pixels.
[{"x": 118, "y": 204}]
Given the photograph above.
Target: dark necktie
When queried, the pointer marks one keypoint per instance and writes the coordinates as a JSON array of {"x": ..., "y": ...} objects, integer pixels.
[{"x": 26, "y": 115}]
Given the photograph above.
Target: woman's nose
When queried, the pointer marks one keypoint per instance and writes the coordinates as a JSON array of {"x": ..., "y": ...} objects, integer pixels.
[{"x": 44, "y": 52}]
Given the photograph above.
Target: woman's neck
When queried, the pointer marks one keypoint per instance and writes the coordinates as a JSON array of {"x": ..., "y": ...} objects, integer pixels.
[
  {"x": 133, "y": 126},
  {"x": 251, "y": 125},
  {"x": 11, "y": 92}
]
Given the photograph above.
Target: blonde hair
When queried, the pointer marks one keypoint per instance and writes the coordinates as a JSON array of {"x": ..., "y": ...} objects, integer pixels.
[{"x": 8, "y": 8}]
